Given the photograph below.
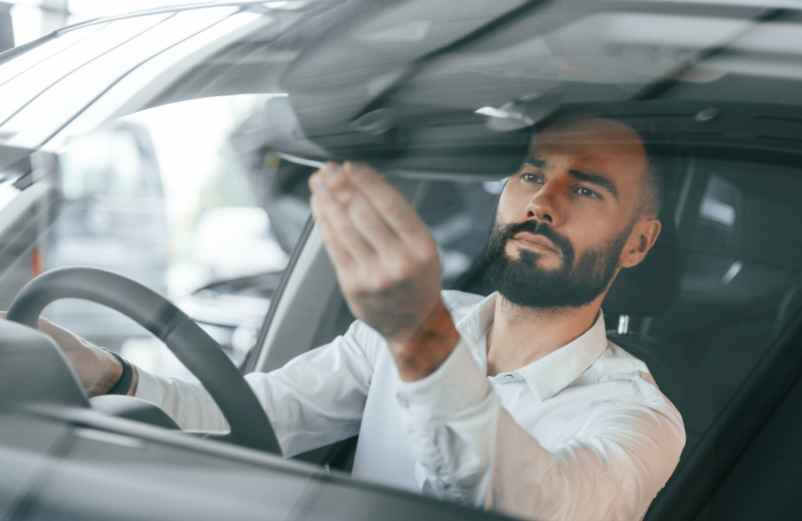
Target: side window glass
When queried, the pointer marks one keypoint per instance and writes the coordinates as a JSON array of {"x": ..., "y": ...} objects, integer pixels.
[{"x": 172, "y": 198}]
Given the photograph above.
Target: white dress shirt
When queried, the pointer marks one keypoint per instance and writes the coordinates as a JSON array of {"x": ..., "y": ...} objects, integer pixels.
[{"x": 580, "y": 434}]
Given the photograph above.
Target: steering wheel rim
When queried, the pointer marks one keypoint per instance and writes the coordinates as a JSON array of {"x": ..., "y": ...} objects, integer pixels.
[{"x": 193, "y": 347}]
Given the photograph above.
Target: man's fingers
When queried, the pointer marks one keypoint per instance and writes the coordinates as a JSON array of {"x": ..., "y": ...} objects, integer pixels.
[
  {"x": 371, "y": 221},
  {"x": 331, "y": 213},
  {"x": 364, "y": 217},
  {"x": 389, "y": 203},
  {"x": 373, "y": 227},
  {"x": 338, "y": 252}
]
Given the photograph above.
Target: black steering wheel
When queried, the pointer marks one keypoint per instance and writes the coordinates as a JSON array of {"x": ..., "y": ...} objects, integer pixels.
[{"x": 250, "y": 426}]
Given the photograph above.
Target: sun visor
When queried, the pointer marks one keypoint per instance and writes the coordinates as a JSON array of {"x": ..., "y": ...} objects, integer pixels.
[
  {"x": 347, "y": 92},
  {"x": 444, "y": 149},
  {"x": 438, "y": 145},
  {"x": 277, "y": 127}
]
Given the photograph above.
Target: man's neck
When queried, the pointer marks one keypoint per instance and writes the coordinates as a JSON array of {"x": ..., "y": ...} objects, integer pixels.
[{"x": 518, "y": 336}]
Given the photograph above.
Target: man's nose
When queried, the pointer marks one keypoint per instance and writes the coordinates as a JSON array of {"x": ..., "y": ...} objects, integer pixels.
[{"x": 546, "y": 205}]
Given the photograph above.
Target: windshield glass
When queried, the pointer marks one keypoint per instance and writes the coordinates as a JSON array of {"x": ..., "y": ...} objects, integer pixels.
[
  {"x": 180, "y": 145},
  {"x": 152, "y": 192},
  {"x": 149, "y": 186}
]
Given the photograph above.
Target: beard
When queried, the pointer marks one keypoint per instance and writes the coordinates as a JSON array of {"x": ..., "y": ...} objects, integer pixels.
[{"x": 575, "y": 283}]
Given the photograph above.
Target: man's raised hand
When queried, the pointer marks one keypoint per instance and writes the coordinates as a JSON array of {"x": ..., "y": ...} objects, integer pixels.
[{"x": 386, "y": 262}]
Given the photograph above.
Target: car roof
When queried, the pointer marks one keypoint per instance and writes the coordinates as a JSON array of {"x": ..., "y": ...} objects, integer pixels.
[
  {"x": 734, "y": 86},
  {"x": 445, "y": 85}
]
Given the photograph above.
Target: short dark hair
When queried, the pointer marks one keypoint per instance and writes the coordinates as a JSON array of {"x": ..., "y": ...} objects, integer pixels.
[{"x": 653, "y": 202}]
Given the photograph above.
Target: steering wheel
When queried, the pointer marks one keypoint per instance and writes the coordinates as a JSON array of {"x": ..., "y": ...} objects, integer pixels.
[{"x": 249, "y": 424}]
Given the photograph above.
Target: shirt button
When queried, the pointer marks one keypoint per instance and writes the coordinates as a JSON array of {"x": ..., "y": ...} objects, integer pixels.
[{"x": 402, "y": 401}]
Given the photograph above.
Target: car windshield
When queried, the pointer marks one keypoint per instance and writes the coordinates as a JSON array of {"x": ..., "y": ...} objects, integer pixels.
[{"x": 177, "y": 145}]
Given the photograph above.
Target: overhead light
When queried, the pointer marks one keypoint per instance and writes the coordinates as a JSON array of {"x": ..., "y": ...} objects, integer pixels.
[
  {"x": 505, "y": 118},
  {"x": 732, "y": 272},
  {"x": 522, "y": 112}
]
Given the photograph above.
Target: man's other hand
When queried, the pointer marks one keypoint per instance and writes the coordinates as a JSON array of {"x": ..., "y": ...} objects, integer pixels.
[
  {"x": 97, "y": 369},
  {"x": 386, "y": 262}
]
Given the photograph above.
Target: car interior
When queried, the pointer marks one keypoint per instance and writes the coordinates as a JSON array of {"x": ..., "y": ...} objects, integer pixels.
[{"x": 714, "y": 312}]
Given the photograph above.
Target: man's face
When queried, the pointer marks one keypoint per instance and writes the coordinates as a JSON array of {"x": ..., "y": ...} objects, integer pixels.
[{"x": 566, "y": 219}]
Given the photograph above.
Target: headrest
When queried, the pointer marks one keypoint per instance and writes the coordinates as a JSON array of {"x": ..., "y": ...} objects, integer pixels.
[{"x": 649, "y": 288}]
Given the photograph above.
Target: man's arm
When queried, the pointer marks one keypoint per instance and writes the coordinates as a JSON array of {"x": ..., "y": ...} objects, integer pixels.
[
  {"x": 470, "y": 449},
  {"x": 386, "y": 263},
  {"x": 612, "y": 470},
  {"x": 315, "y": 399},
  {"x": 97, "y": 369}
]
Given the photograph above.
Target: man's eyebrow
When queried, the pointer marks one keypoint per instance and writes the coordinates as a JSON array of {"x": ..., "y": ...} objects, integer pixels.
[
  {"x": 596, "y": 179},
  {"x": 587, "y": 177}
]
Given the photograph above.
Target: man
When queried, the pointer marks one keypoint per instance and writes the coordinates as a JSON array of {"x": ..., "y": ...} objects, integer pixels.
[{"x": 516, "y": 401}]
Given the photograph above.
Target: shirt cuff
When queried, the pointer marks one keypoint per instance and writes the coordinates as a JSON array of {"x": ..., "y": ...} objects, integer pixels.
[
  {"x": 148, "y": 388},
  {"x": 458, "y": 384}
]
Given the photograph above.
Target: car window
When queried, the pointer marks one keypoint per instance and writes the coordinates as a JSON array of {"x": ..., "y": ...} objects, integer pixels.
[
  {"x": 176, "y": 207},
  {"x": 165, "y": 189}
]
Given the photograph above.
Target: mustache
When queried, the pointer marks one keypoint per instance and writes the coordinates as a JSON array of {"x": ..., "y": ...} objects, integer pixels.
[{"x": 509, "y": 231}]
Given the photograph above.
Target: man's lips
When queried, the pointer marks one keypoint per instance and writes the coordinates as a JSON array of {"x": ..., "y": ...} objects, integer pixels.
[{"x": 538, "y": 240}]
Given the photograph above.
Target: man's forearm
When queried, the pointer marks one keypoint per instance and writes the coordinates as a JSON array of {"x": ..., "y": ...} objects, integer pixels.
[
  {"x": 421, "y": 354},
  {"x": 110, "y": 373}
]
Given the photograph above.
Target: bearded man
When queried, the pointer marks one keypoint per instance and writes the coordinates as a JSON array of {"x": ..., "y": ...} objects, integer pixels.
[{"x": 516, "y": 401}]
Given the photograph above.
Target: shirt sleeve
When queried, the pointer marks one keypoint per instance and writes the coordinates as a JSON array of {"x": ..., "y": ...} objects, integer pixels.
[
  {"x": 315, "y": 399},
  {"x": 470, "y": 449}
]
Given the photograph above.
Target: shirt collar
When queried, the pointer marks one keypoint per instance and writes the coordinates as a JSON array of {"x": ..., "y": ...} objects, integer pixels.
[
  {"x": 557, "y": 370},
  {"x": 475, "y": 323},
  {"x": 548, "y": 375}
]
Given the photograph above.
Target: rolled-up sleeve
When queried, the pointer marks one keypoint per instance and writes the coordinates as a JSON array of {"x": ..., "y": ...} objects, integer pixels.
[{"x": 470, "y": 448}]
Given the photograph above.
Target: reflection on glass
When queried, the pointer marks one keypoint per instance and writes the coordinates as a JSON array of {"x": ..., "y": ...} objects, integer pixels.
[{"x": 47, "y": 73}]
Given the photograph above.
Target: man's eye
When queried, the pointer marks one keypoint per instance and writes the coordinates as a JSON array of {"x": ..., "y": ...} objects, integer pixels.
[
  {"x": 531, "y": 177},
  {"x": 586, "y": 192}
]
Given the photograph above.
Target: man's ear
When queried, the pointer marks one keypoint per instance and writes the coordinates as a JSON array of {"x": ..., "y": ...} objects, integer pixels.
[{"x": 643, "y": 236}]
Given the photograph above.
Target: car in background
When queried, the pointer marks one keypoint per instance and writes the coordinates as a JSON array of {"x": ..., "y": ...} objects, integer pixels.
[{"x": 445, "y": 104}]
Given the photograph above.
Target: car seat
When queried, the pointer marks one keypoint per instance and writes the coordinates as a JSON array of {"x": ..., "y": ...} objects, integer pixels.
[{"x": 724, "y": 379}]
